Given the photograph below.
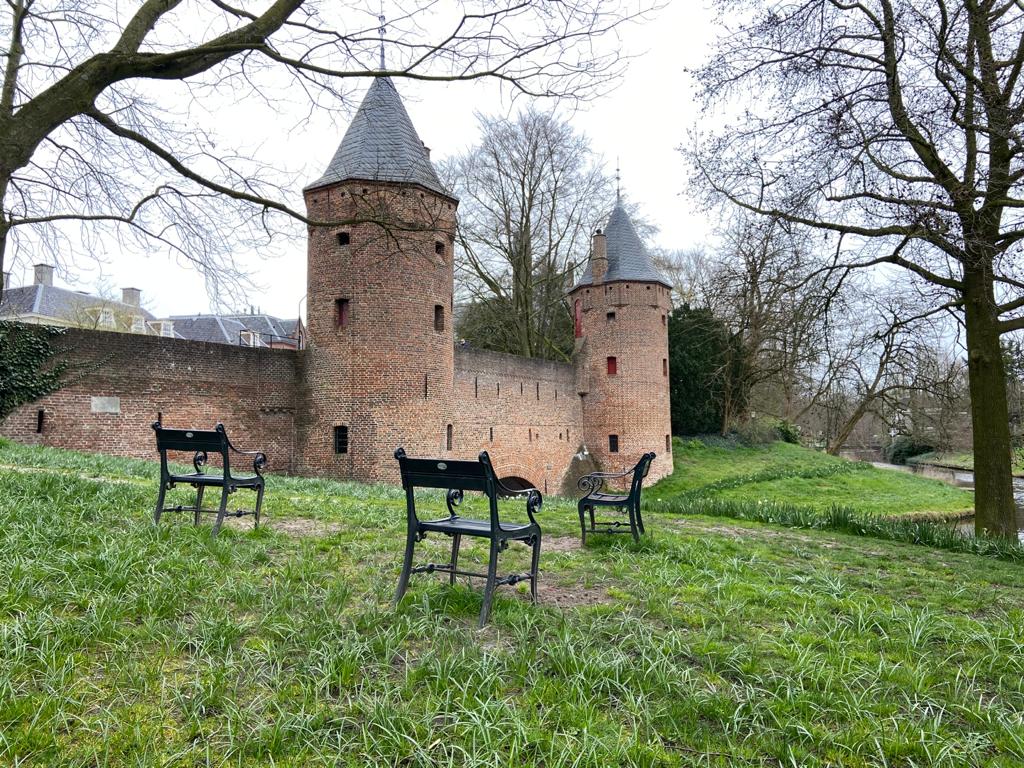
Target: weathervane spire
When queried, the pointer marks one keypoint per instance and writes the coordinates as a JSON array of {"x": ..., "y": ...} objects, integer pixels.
[
  {"x": 618, "y": 181},
  {"x": 380, "y": 31}
]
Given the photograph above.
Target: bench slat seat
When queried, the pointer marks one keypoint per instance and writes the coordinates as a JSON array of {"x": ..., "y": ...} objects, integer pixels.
[
  {"x": 200, "y": 443},
  {"x": 459, "y": 476},
  {"x": 628, "y": 502}
]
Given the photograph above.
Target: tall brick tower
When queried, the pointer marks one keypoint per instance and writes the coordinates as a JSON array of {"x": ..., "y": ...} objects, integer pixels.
[
  {"x": 379, "y": 366},
  {"x": 621, "y": 307}
]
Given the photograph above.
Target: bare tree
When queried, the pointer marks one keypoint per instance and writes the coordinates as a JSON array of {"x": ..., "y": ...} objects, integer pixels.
[
  {"x": 530, "y": 196},
  {"x": 96, "y": 142},
  {"x": 894, "y": 125},
  {"x": 689, "y": 271}
]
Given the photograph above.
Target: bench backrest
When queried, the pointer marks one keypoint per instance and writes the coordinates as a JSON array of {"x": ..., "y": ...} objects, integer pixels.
[
  {"x": 455, "y": 475},
  {"x": 194, "y": 441},
  {"x": 640, "y": 472}
]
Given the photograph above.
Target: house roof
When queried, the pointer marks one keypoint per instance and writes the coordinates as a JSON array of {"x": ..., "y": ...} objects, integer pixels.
[
  {"x": 628, "y": 259},
  {"x": 59, "y": 303},
  {"x": 225, "y": 329},
  {"x": 381, "y": 144}
]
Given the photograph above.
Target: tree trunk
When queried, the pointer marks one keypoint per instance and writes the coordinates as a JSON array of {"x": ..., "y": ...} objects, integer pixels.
[
  {"x": 851, "y": 423},
  {"x": 994, "y": 506}
]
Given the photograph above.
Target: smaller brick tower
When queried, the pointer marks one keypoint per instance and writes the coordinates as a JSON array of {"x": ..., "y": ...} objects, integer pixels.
[
  {"x": 620, "y": 307},
  {"x": 379, "y": 363}
]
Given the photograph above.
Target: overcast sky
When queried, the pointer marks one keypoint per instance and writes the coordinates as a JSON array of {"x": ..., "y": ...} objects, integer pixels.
[{"x": 641, "y": 123}]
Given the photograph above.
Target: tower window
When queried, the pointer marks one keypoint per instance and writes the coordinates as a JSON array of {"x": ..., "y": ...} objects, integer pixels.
[
  {"x": 439, "y": 248},
  {"x": 439, "y": 317},
  {"x": 341, "y": 308},
  {"x": 664, "y": 366},
  {"x": 41, "y": 420},
  {"x": 668, "y": 443},
  {"x": 476, "y": 386},
  {"x": 492, "y": 434},
  {"x": 613, "y": 366},
  {"x": 613, "y": 443},
  {"x": 449, "y": 434},
  {"x": 344, "y": 238},
  {"x": 577, "y": 318},
  {"x": 341, "y": 439},
  {"x": 610, "y": 316},
  {"x": 664, "y": 319},
  {"x": 538, "y": 390}
]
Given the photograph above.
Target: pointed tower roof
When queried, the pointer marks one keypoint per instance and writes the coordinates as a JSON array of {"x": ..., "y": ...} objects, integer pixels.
[
  {"x": 381, "y": 144},
  {"x": 628, "y": 259}
]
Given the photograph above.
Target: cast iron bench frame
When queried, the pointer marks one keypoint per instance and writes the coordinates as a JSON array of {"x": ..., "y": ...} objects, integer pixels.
[
  {"x": 630, "y": 502},
  {"x": 459, "y": 476},
  {"x": 201, "y": 443}
]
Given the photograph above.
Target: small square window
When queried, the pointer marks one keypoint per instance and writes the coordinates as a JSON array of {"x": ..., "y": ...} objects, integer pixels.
[
  {"x": 439, "y": 317},
  {"x": 439, "y": 248},
  {"x": 610, "y": 316},
  {"x": 613, "y": 443},
  {"x": 613, "y": 366},
  {"x": 341, "y": 313},
  {"x": 344, "y": 238},
  {"x": 341, "y": 439}
]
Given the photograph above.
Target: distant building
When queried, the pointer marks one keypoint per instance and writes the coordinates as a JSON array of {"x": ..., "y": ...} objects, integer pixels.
[
  {"x": 247, "y": 330},
  {"x": 45, "y": 304}
]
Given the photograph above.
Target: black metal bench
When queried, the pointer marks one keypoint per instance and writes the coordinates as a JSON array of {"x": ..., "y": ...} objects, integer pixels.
[
  {"x": 458, "y": 477},
  {"x": 592, "y": 484},
  {"x": 201, "y": 443}
]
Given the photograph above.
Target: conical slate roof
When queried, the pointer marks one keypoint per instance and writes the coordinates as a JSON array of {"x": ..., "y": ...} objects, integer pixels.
[
  {"x": 627, "y": 257},
  {"x": 381, "y": 144}
]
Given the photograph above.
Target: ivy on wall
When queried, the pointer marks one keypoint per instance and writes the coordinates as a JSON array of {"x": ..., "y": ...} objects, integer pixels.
[{"x": 29, "y": 368}]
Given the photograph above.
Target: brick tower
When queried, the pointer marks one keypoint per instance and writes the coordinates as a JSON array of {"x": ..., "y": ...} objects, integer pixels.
[
  {"x": 620, "y": 307},
  {"x": 379, "y": 366}
]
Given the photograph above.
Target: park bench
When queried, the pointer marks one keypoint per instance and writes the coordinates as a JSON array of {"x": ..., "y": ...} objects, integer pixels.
[
  {"x": 592, "y": 486},
  {"x": 201, "y": 443},
  {"x": 457, "y": 477}
]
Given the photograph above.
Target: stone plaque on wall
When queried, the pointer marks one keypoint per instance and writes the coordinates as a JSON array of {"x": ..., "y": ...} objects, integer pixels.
[{"x": 106, "y": 404}]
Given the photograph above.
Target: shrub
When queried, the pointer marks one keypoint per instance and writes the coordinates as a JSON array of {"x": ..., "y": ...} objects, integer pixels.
[
  {"x": 903, "y": 447},
  {"x": 757, "y": 432}
]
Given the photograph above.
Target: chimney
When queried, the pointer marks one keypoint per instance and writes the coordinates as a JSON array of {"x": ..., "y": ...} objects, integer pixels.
[
  {"x": 599, "y": 257},
  {"x": 131, "y": 296},
  {"x": 44, "y": 274},
  {"x": 7, "y": 281}
]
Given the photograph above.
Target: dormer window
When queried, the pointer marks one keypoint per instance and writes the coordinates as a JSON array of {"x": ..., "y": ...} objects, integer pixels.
[
  {"x": 106, "y": 318},
  {"x": 247, "y": 338},
  {"x": 138, "y": 324}
]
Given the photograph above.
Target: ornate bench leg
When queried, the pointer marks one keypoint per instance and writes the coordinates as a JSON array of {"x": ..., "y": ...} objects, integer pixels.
[
  {"x": 633, "y": 523},
  {"x": 534, "y": 567},
  {"x": 640, "y": 519},
  {"x": 583, "y": 523},
  {"x": 456, "y": 542},
  {"x": 492, "y": 572},
  {"x": 403, "y": 580},
  {"x": 259, "y": 504},
  {"x": 199, "y": 503},
  {"x": 220, "y": 513},
  {"x": 159, "y": 503}
]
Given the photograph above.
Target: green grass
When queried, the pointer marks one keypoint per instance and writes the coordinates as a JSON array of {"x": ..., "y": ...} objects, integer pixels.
[
  {"x": 790, "y": 474},
  {"x": 713, "y": 642}
]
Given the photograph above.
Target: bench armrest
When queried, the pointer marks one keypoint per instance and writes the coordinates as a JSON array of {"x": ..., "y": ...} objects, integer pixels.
[
  {"x": 593, "y": 482},
  {"x": 534, "y": 499},
  {"x": 259, "y": 457}
]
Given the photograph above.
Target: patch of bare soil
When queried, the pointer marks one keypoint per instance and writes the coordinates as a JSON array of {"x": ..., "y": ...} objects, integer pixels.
[
  {"x": 559, "y": 544},
  {"x": 300, "y": 527},
  {"x": 570, "y": 596}
]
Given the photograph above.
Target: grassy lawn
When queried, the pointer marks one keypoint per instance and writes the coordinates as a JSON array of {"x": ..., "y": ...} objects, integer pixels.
[
  {"x": 713, "y": 642},
  {"x": 800, "y": 476}
]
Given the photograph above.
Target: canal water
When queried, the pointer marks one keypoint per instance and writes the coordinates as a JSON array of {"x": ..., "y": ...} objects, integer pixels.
[{"x": 962, "y": 478}]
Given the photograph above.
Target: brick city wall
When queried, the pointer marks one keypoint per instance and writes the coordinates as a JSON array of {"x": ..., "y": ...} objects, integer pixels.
[
  {"x": 121, "y": 381},
  {"x": 524, "y": 412}
]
